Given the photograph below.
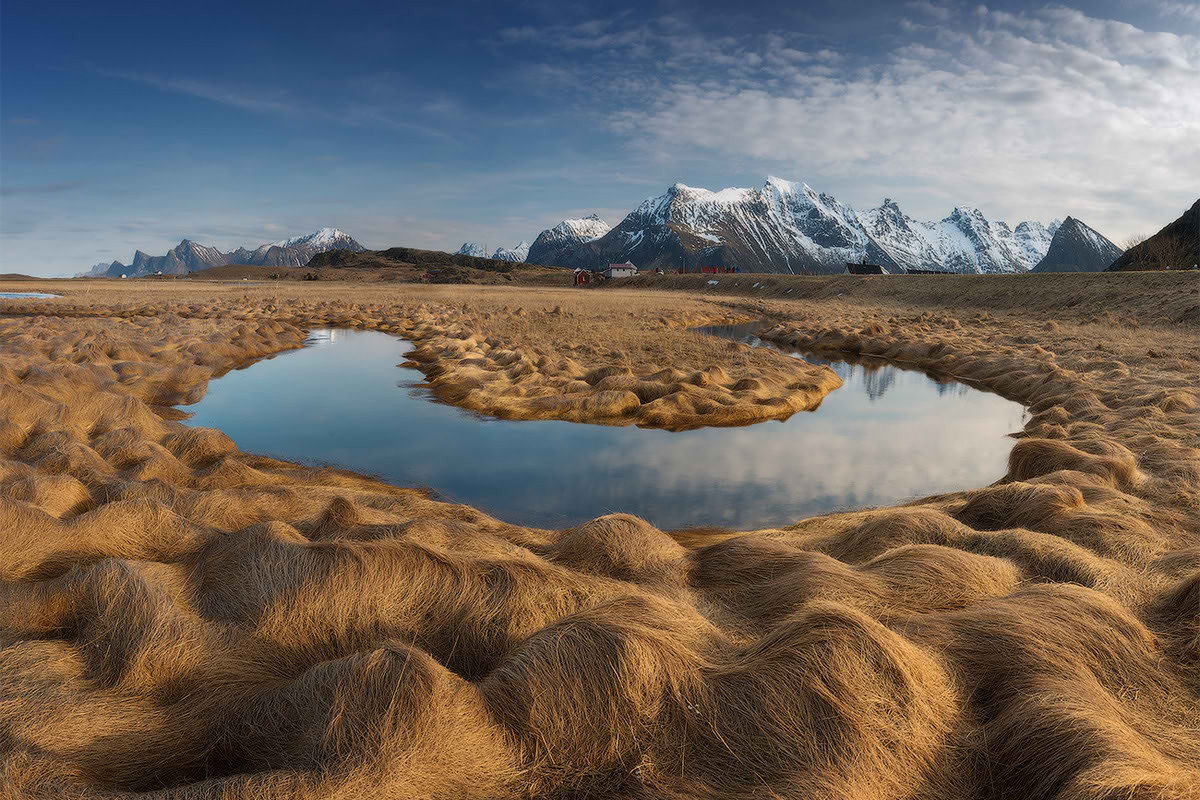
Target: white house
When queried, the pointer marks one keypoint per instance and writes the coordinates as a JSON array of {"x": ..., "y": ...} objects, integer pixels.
[{"x": 626, "y": 270}]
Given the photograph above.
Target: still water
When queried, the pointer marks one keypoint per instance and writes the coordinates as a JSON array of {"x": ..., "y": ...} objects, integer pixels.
[
  {"x": 886, "y": 436},
  {"x": 23, "y": 295}
]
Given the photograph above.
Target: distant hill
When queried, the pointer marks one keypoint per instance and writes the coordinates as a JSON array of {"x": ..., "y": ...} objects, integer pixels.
[
  {"x": 1176, "y": 246},
  {"x": 189, "y": 256},
  {"x": 367, "y": 259},
  {"x": 1077, "y": 247}
]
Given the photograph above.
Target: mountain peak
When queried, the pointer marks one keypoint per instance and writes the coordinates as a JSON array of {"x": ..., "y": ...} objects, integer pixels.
[
  {"x": 319, "y": 237},
  {"x": 553, "y": 244},
  {"x": 518, "y": 253},
  {"x": 471, "y": 249},
  {"x": 961, "y": 212},
  {"x": 781, "y": 183},
  {"x": 1076, "y": 247}
]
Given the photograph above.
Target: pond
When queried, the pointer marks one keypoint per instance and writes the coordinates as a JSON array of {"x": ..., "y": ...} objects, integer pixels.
[
  {"x": 26, "y": 295},
  {"x": 886, "y": 436}
]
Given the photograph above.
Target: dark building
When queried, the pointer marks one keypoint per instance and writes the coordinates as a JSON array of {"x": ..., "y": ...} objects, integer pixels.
[{"x": 865, "y": 269}]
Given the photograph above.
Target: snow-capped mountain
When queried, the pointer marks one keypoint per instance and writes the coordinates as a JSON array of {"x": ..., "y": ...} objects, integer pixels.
[
  {"x": 553, "y": 244},
  {"x": 1078, "y": 248},
  {"x": 189, "y": 256},
  {"x": 965, "y": 241},
  {"x": 784, "y": 226},
  {"x": 327, "y": 238},
  {"x": 518, "y": 253},
  {"x": 471, "y": 249},
  {"x": 296, "y": 252}
]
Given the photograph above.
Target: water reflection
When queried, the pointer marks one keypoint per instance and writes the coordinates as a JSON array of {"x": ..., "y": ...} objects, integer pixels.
[
  {"x": 887, "y": 435},
  {"x": 877, "y": 375},
  {"x": 26, "y": 295}
]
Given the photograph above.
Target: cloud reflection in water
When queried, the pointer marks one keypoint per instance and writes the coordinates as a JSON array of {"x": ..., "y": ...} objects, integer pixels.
[{"x": 887, "y": 435}]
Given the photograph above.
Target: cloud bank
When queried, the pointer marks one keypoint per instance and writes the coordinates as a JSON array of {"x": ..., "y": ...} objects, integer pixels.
[{"x": 1029, "y": 115}]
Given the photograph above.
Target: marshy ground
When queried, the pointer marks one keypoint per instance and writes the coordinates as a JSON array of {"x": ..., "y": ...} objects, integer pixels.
[{"x": 182, "y": 619}]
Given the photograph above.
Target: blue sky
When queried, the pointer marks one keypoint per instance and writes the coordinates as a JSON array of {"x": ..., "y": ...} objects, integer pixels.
[{"x": 133, "y": 125}]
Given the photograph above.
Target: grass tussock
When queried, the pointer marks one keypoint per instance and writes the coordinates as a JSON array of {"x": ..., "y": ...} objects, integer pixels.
[{"x": 179, "y": 619}]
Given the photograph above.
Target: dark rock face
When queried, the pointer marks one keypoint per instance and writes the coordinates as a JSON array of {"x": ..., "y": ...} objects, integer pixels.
[
  {"x": 1077, "y": 247},
  {"x": 1177, "y": 246},
  {"x": 188, "y": 256},
  {"x": 179, "y": 260}
]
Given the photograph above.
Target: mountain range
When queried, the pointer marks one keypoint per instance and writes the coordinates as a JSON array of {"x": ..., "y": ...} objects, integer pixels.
[
  {"x": 189, "y": 256},
  {"x": 781, "y": 226},
  {"x": 784, "y": 226},
  {"x": 1077, "y": 247},
  {"x": 476, "y": 250}
]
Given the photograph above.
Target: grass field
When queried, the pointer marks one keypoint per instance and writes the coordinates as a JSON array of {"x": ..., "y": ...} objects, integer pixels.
[{"x": 182, "y": 619}]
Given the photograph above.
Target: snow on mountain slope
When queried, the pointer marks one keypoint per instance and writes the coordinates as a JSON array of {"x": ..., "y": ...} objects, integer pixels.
[
  {"x": 786, "y": 226},
  {"x": 585, "y": 229},
  {"x": 965, "y": 241},
  {"x": 471, "y": 249},
  {"x": 518, "y": 253},
  {"x": 554, "y": 244},
  {"x": 327, "y": 238}
]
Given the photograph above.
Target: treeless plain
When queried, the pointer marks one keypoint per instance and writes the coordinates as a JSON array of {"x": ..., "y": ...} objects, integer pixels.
[{"x": 182, "y": 619}]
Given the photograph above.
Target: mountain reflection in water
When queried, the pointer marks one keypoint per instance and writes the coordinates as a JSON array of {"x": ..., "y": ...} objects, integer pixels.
[{"x": 886, "y": 436}]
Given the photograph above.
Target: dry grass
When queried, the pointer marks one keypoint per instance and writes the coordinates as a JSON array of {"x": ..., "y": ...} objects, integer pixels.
[{"x": 181, "y": 619}]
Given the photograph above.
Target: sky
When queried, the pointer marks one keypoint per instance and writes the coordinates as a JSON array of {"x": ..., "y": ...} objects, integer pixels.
[{"x": 133, "y": 125}]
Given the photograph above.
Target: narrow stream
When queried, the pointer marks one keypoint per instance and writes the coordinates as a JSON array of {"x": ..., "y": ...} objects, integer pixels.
[{"x": 886, "y": 436}]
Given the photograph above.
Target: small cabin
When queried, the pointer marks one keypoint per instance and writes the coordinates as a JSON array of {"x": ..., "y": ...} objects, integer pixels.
[
  {"x": 865, "y": 269},
  {"x": 583, "y": 276},
  {"x": 715, "y": 270},
  {"x": 626, "y": 270}
]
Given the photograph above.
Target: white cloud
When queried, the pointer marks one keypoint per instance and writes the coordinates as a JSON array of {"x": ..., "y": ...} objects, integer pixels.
[
  {"x": 1177, "y": 8},
  {"x": 936, "y": 11},
  {"x": 1030, "y": 115}
]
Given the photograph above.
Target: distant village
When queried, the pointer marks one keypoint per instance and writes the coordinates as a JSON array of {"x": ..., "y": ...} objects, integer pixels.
[{"x": 628, "y": 269}]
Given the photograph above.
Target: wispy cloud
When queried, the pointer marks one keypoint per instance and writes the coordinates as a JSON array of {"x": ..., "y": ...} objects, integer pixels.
[
  {"x": 243, "y": 99},
  {"x": 1177, "y": 8},
  {"x": 352, "y": 113}
]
